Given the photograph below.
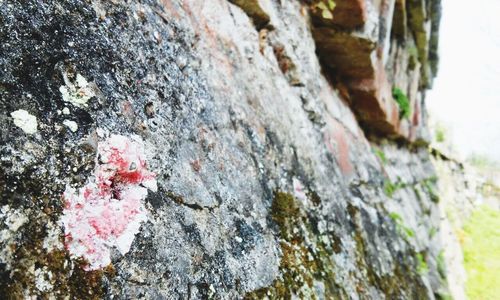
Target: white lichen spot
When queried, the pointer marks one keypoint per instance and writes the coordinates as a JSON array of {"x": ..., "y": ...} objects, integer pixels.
[
  {"x": 78, "y": 92},
  {"x": 72, "y": 125},
  {"x": 52, "y": 240},
  {"x": 24, "y": 120},
  {"x": 10, "y": 222},
  {"x": 43, "y": 279},
  {"x": 14, "y": 219},
  {"x": 65, "y": 111}
]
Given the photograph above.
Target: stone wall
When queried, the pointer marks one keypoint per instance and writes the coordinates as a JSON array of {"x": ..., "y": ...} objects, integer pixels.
[
  {"x": 462, "y": 189},
  {"x": 217, "y": 149}
]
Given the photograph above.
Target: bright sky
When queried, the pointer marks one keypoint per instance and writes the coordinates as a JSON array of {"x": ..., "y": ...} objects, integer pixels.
[{"x": 466, "y": 93}]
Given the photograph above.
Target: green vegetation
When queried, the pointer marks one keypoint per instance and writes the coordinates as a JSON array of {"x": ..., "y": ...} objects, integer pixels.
[
  {"x": 390, "y": 188},
  {"x": 402, "y": 229},
  {"x": 380, "y": 154},
  {"x": 441, "y": 264},
  {"x": 482, "y": 254},
  {"x": 403, "y": 102},
  {"x": 430, "y": 185},
  {"x": 432, "y": 232},
  {"x": 299, "y": 266},
  {"x": 326, "y": 7},
  {"x": 440, "y": 134},
  {"x": 422, "y": 267}
]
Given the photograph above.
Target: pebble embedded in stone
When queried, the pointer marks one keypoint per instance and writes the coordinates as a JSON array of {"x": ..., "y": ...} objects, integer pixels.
[
  {"x": 24, "y": 120},
  {"x": 72, "y": 125}
]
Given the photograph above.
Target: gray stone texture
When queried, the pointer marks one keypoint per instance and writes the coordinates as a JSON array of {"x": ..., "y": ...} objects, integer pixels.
[{"x": 267, "y": 185}]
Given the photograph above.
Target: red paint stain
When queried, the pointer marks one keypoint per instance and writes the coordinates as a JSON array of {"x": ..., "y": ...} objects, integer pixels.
[
  {"x": 108, "y": 210},
  {"x": 336, "y": 140}
]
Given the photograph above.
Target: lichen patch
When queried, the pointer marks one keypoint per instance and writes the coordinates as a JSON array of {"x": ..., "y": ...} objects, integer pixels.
[
  {"x": 51, "y": 241},
  {"x": 108, "y": 211},
  {"x": 11, "y": 221},
  {"x": 78, "y": 92},
  {"x": 24, "y": 120},
  {"x": 43, "y": 279},
  {"x": 72, "y": 125}
]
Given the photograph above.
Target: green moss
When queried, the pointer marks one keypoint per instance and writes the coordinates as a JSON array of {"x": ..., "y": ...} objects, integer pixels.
[
  {"x": 440, "y": 135},
  {"x": 403, "y": 230},
  {"x": 422, "y": 267},
  {"x": 432, "y": 232},
  {"x": 302, "y": 262},
  {"x": 417, "y": 193},
  {"x": 430, "y": 186},
  {"x": 390, "y": 188},
  {"x": 380, "y": 154},
  {"x": 403, "y": 103},
  {"x": 283, "y": 211},
  {"x": 441, "y": 265},
  {"x": 391, "y": 284},
  {"x": 306, "y": 259},
  {"x": 68, "y": 277}
]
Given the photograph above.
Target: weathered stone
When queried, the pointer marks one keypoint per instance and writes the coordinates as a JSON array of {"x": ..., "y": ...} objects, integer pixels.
[
  {"x": 352, "y": 56},
  {"x": 376, "y": 58},
  {"x": 435, "y": 12},
  {"x": 266, "y": 182},
  {"x": 400, "y": 20},
  {"x": 422, "y": 23},
  {"x": 372, "y": 100}
]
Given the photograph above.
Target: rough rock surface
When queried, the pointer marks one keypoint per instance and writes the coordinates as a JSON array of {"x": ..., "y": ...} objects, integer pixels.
[{"x": 267, "y": 183}]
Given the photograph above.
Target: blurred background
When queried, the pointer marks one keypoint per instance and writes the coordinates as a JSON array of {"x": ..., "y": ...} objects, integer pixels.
[
  {"x": 465, "y": 120},
  {"x": 464, "y": 99}
]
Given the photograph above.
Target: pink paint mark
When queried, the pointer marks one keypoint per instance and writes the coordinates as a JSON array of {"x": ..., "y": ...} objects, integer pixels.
[
  {"x": 108, "y": 211},
  {"x": 336, "y": 140},
  {"x": 416, "y": 113},
  {"x": 298, "y": 190}
]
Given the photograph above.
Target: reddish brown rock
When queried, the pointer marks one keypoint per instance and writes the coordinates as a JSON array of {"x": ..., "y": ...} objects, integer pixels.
[
  {"x": 337, "y": 142},
  {"x": 372, "y": 101},
  {"x": 349, "y": 13},
  {"x": 371, "y": 63},
  {"x": 349, "y": 55}
]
